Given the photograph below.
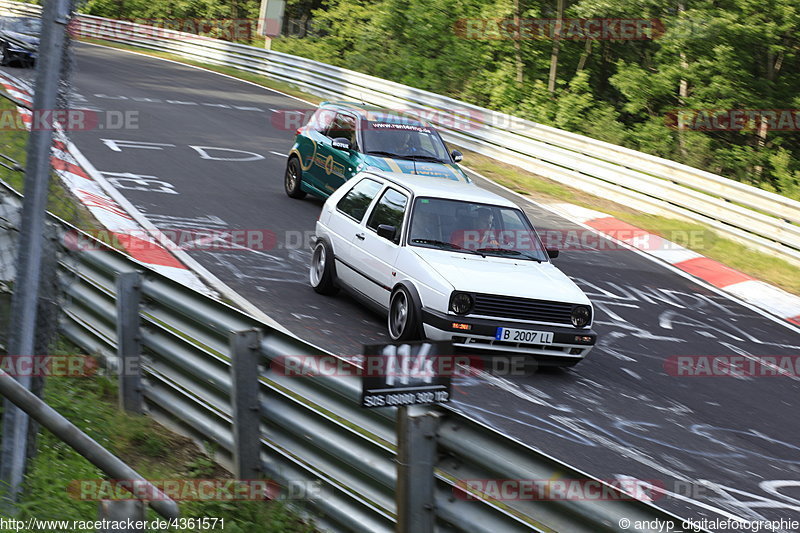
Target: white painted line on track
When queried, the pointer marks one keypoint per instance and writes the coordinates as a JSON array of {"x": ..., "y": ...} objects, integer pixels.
[
  {"x": 184, "y": 257},
  {"x": 205, "y": 70}
]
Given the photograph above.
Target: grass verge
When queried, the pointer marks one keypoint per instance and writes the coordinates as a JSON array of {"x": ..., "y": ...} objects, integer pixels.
[
  {"x": 150, "y": 449},
  {"x": 60, "y": 200}
]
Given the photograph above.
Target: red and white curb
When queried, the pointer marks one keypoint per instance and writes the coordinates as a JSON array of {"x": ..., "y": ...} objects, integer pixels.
[
  {"x": 136, "y": 242},
  {"x": 753, "y": 291}
]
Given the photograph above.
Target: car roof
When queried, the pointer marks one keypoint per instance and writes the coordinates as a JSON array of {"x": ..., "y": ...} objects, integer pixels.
[
  {"x": 369, "y": 112},
  {"x": 441, "y": 188}
]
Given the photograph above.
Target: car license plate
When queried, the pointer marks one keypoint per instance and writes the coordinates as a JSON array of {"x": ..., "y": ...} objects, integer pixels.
[{"x": 525, "y": 336}]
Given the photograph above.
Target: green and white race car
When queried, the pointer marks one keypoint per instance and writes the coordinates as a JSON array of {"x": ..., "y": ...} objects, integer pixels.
[{"x": 342, "y": 139}]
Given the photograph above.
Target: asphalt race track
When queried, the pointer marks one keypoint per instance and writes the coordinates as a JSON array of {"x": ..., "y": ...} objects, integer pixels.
[{"x": 721, "y": 446}]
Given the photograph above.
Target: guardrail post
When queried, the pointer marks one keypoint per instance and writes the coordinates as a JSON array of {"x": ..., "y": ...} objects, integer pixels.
[
  {"x": 129, "y": 348},
  {"x": 245, "y": 351},
  {"x": 416, "y": 457},
  {"x": 118, "y": 512}
]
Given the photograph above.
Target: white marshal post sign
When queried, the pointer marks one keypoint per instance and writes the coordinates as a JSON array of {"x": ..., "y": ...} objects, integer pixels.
[{"x": 270, "y": 20}]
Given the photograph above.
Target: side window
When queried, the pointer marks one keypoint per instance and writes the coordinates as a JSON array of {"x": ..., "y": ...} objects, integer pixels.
[
  {"x": 321, "y": 120},
  {"x": 344, "y": 126},
  {"x": 389, "y": 210},
  {"x": 355, "y": 203},
  {"x": 426, "y": 144},
  {"x": 511, "y": 220}
]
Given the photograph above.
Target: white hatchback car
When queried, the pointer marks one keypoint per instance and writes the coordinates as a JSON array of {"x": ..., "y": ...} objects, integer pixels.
[{"x": 450, "y": 261}]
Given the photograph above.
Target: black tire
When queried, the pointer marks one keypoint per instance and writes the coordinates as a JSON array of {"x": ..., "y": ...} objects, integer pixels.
[
  {"x": 404, "y": 321},
  {"x": 4, "y": 58},
  {"x": 322, "y": 273},
  {"x": 293, "y": 178}
]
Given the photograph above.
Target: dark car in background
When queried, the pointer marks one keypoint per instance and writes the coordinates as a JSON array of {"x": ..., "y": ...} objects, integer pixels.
[{"x": 19, "y": 40}]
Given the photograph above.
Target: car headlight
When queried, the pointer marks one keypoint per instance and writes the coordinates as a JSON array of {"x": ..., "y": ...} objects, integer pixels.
[
  {"x": 461, "y": 303},
  {"x": 581, "y": 315}
]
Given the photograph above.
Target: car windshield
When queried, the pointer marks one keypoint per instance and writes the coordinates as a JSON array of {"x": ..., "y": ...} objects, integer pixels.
[
  {"x": 25, "y": 25},
  {"x": 471, "y": 227},
  {"x": 405, "y": 139}
]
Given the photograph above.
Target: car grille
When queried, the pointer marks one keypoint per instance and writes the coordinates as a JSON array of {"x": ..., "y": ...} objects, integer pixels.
[{"x": 522, "y": 309}]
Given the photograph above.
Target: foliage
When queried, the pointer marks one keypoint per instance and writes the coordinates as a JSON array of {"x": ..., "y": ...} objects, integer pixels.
[
  {"x": 704, "y": 55},
  {"x": 726, "y": 54}
]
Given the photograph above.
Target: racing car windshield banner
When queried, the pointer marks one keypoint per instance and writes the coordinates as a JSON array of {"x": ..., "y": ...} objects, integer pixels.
[
  {"x": 398, "y": 126},
  {"x": 405, "y": 374}
]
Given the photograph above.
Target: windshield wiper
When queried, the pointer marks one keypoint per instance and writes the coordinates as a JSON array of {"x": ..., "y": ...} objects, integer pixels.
[
  {"x": 450, "y": 245},
  {"x": 380, "y": 152},
  {"x": 505, "y": 251},
  {"x": 430, "y": 158}
]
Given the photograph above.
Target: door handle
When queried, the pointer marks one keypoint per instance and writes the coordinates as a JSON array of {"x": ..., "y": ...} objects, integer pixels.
[{"x": 360, "y": 236}]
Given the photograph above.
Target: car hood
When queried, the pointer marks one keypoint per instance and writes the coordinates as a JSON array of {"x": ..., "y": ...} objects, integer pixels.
[
  {"x": 423, "y": 168},
  {"x": 502, "y": 276}
]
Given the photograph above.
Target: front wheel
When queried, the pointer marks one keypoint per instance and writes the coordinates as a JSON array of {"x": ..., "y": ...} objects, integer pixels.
[
  {"x": 404, "y": 317},
  {"x": 293, "y": 178},
  {"x": 322, "y": 274},
  {"x": 4, "y": 55}
]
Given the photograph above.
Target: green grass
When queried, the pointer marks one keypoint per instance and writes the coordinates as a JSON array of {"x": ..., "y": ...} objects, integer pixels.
[
  {"x": 706, "y": 242},
  {"x": 150, "y": 449},
  {"x": 60, "y": 201},
  {"x": 12, "y": 145}
]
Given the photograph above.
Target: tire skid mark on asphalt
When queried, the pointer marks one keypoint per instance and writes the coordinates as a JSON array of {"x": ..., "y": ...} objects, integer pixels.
[{"x": 621, "y": 305}]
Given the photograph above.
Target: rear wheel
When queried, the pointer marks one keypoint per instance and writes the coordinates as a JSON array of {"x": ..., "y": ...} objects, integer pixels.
[
  {"x": 293, "y": 178},
  {"x": 322, "y": 274},
  {"x": 404, "y": 317},
  {"x": 4, "y": 57}
]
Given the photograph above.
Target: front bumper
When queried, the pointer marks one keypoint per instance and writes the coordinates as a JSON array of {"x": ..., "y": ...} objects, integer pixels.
[{"x": 479, "y": 334}]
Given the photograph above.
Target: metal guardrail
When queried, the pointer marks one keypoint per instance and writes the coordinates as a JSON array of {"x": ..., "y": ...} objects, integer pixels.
[
  {"x": 82, "y": 443},
  {"x": 758, "y": 218},
  {"x": 306, "y": 429}
]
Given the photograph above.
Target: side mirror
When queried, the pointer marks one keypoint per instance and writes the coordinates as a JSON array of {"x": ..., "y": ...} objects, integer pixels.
[
  {"x": 340, "y": 143},
  {"x": 552, "y": 253},
  {"x": 386, "y": 231},
  {"x": 457, "y": 156}
]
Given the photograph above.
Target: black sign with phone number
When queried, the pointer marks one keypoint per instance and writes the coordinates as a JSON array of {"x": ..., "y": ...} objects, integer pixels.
[{"x": 405, "y": 374}]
